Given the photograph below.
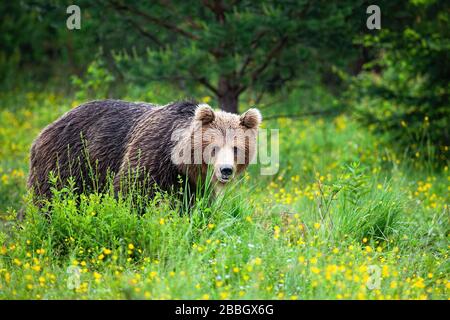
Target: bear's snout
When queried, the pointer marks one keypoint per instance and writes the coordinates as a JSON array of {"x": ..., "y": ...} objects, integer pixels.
[{"x": 226, "y": 171}]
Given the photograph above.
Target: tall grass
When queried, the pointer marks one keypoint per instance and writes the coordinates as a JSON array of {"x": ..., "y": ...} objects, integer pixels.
[{"x": 343, "y": 210}]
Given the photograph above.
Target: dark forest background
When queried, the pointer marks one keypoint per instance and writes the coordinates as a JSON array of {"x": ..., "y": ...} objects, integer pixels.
[{"x": 394, "y": 80}]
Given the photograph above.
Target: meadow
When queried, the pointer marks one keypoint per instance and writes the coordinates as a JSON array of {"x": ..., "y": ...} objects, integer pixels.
[{"x": 345, "y": 217}]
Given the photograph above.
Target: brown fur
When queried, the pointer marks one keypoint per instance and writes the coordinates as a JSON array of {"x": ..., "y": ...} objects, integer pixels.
[{"x": 119, "y": 137}]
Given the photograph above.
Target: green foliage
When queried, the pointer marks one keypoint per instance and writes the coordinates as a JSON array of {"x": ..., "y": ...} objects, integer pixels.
[
  {"x": 232, "y": 48},
  {"x": 225, "y": 48},
  {"x": 241, "y": 52},
  {"x": 95, "y": 83},
  {"x": 344, "y": 200},
  {"x": 409, "y": 100},
  {"x": 37, "y": 46},
  {"x": 310, "y": 231},
  {"x": 357, "y": 207},
  {"x": 369, "y": 211}
]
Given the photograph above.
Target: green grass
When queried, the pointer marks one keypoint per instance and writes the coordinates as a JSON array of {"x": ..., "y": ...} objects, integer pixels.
[{"x": 343, "y": 212}]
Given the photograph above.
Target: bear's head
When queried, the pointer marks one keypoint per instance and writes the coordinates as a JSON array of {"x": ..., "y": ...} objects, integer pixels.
[{"x": 224, "y": 141}]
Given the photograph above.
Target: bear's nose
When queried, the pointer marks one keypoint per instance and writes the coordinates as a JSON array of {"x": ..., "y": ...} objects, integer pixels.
[{"x": 226, "y": 171}]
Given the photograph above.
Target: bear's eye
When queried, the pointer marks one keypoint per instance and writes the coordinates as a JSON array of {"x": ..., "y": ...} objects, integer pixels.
[{"x": 214, "y": 151}]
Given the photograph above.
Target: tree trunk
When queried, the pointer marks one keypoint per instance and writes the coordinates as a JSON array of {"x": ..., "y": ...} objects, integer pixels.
[
  {"x": 229, "y": 102},
  {"x": 228, "y": 96}
]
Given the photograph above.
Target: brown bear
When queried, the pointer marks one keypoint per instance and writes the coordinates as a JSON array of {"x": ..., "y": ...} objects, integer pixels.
[{"x": 155, "y": 145}]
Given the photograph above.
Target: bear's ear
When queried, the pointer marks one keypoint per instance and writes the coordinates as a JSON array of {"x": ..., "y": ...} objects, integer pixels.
[
  {"x": 205, "y": 114},
  {"x": 251, "y": 118}
]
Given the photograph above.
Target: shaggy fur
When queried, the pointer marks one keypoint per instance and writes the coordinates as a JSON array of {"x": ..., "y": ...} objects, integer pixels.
[
  {"x": 95, "y": 136},
  {"x": 116, "y": 137}
]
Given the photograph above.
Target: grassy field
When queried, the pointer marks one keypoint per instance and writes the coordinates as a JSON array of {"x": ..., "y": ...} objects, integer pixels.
[{"x": 345, "y": 217}]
